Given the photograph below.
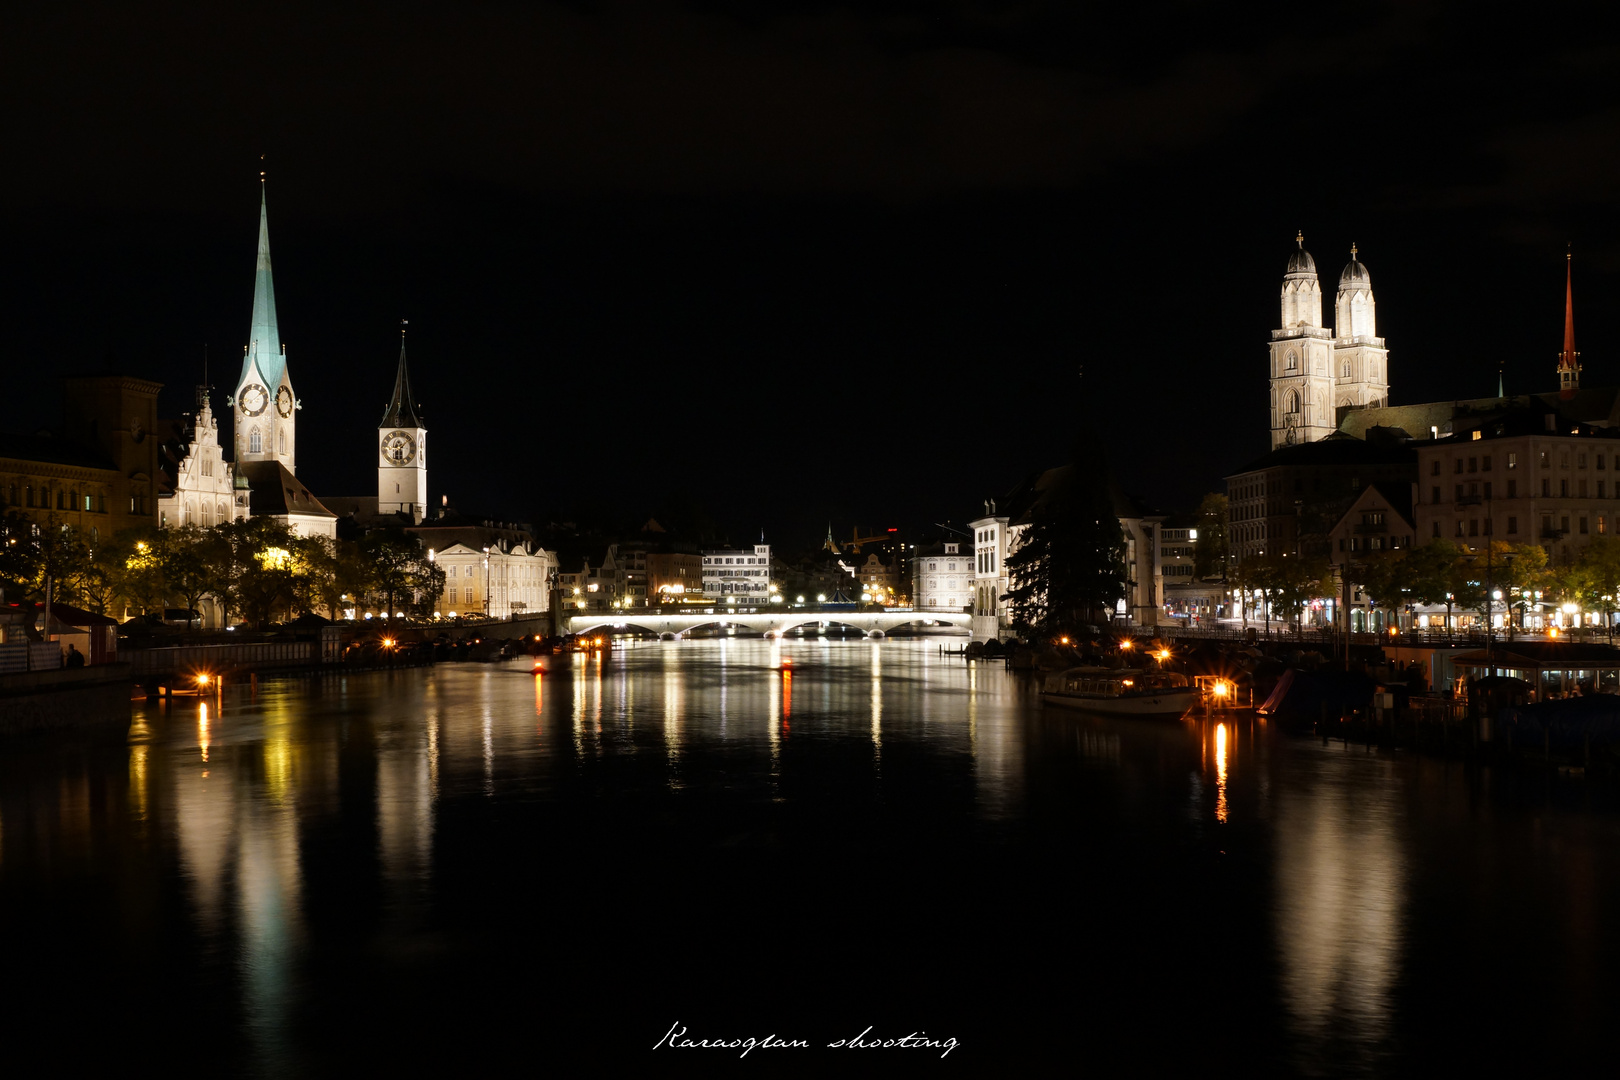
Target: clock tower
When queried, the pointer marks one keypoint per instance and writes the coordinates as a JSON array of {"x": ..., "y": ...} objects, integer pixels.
[
  {"x": 402, "y": 451},
  {"x": 263, "y": 403}
]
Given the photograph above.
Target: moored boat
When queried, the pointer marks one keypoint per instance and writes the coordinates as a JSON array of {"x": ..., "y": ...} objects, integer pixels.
[{"x": 1121, "y": 692}]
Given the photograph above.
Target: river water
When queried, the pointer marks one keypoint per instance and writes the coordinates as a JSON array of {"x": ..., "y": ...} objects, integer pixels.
[{"x": 468, "y": 867}]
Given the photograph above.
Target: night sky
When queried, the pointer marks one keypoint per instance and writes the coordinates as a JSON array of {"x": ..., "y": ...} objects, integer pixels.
[{"x": 825, "y": 263}]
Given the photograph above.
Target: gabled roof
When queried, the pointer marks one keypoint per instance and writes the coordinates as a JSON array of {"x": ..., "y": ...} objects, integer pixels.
[{"x": 277, "y": 492}]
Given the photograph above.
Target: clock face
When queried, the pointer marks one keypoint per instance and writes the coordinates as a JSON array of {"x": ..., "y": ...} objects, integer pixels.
[
  {"x": 399, "y": 448},
  {"x": 254, "y": 399},
  {"x": 284, "y": 401}
]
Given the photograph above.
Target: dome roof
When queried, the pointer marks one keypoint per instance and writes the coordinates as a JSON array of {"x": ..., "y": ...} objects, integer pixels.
[
  {"x": 1300, "y": 262},
  {"x": 1355, "y": 274}
]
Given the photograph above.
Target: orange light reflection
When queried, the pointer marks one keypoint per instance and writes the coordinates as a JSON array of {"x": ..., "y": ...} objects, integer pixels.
[{"x": 1220, "y": 773}]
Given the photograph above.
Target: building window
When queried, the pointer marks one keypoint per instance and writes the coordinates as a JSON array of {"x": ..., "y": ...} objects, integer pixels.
[
  {"x": 1457, "y": 466},
  {"x": 1460, "y": 531},
  {"x": 1513, "y": 526},
  {"x": 255, "y": 444},
  {"x": 1473, "y": 526},
  {"x": 1580, "y": 461},
  {"x": 1600, "y": 461},
  {"x": 1563, "y": 460},
  {"x": 1487, "y": 489},
  {"x": 1485, "y": 463},
  {"x": 1434, "y": 467},
  {"x": 1434, "y": 493},
  {"x": 1583, "y": 524},
  {"x": 281, "y": 438},
  {"x": 1600, "y": 489},
  {"x": 1513, "y": 460},
  {"x": 1563, "y": 489},
  {"x": 1546, "y": 460},
  {"x": 1546, "y": 524},
  {"x": 1513, "y": 488},
  {"x": 1487, "y": 526},
  {"x": 1546, "y": 488},
  {"x": 1563, "y": 524},
  {"x": 1600, "y": 524},
  {"x": 1473, "y": 464},
  {"x": 1459, "y": 493},
  {"x": 1346, "y": 370},
  {"x": 1581, "y": 486}
]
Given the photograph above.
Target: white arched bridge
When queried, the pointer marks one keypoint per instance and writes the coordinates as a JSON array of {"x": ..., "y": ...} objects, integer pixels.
[{"x": 770, "y": 623}]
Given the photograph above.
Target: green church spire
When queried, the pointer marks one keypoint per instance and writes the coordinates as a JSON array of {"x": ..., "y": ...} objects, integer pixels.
[{"x": 264, "y": 341}]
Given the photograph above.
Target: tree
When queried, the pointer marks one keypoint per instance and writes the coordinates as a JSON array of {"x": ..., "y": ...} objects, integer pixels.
[
  {"x": 1601, "y": 560},
  {"x": 399, "y": 567},
  {"x": 1070, "y": 564},
  {"x": 1211, "y": 550},
  {"x": 1295, "y": 581},
  {"x": 187, "y": 554},
  {"x": 1388, "y": 579},
  {"x": 1430, "y": 570}
]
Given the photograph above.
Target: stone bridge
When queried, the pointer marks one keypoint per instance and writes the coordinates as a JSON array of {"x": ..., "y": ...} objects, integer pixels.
[{"x": 673, "y": 625}]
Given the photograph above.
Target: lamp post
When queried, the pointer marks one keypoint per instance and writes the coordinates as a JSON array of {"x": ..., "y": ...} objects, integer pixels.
[{"x": 486, "y": 582}]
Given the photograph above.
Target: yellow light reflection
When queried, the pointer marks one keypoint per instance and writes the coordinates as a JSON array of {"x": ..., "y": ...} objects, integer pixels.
[
  {"x": 137, "y": 782},
  {"x": 1220, "y": 773},
  {"x": 202, "y": 730},
  {"x": 278, "y": 767}
]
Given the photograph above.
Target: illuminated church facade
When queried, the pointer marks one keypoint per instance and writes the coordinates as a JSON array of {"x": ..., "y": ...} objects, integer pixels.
[{"x": 1317, "y": 371}]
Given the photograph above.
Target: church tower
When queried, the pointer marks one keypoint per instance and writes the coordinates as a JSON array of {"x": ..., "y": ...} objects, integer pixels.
[
  {"x": 1569, "y": 361},
  {"x": 263, "y": 403},
  {"x": 402, "y": 451},
  {"x": 1301, "y": 355},
  {"x": 1360, "y": 361}
]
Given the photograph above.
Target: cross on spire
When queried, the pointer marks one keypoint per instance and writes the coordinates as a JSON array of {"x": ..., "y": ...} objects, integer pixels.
[{"x": 1300, "y": 239}]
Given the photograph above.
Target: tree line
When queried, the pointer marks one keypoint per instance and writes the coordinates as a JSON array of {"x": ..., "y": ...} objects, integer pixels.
[{"x": 258, "y": 570}]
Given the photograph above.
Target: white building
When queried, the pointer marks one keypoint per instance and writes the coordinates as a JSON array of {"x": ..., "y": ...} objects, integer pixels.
[
  {"x": 991, "y": 539},
  {"x": 740, "y": 574},
  {"x": 1316, "y": 371},
  {"x": 943, "y": 578},
  {"x": 204, "y": 491},
  {"x": 500, "y": 581}
]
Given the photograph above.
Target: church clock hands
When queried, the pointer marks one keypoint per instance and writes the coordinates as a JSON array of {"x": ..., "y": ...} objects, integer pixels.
[
  {"x": 399, "y": 448},
  {"x": 284, "y": 401},
  {"x": 254, "y": 399}
]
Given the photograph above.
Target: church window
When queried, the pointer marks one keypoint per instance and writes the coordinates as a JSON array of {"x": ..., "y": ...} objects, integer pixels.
[
  {"x": 282, "y": 440},
  {"x": 1293, "y": 361},
  {"x": 255, "y": 444},
  {"x": 396, "y": 489},
  {"x": 1293, "y": 402},
  {"x": 1346, "y": 369}
]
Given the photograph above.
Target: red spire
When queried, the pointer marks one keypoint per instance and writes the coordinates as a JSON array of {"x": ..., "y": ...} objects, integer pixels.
[{"x": 1569, "y": 366}]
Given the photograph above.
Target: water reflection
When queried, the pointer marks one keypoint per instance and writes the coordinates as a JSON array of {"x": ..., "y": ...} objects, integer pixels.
[
  {"x": 357, "y": 816},
  {"x": 1341, "y": 870}
]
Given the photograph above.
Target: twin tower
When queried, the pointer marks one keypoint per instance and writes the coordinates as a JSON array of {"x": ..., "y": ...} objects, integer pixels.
[
  {"x": 265, "y": 407},
  {"x": 1316, "y": 371}
]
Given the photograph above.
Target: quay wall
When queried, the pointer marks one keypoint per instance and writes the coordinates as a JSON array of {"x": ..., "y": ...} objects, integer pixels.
[{"x": 66, "y": 699}]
